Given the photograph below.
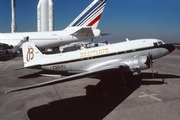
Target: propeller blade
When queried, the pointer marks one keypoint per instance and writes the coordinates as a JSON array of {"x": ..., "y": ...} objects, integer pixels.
[{"x": 151, "y": 62}]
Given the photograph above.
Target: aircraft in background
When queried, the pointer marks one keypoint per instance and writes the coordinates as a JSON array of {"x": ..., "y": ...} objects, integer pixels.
[
  {"x": 82, "y": 28},
  {"x": 129, "y": 56},
  {"x": 81, "y": 45}
]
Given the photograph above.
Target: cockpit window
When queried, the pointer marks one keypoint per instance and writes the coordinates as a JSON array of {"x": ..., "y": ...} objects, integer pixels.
[
  {"x": 160, "y": 43},
  {"x": 155, "y": 44}
]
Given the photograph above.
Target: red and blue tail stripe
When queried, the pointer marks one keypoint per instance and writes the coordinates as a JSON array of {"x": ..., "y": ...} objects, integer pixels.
[{"x": 91, "y": 15}]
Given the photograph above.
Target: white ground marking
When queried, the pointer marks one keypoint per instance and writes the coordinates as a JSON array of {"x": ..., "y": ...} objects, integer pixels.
[{"x": 150, "y": 96}]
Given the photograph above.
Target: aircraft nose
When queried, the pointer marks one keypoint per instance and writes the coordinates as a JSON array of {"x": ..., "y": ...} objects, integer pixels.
[{"x": 169, "y": 47}]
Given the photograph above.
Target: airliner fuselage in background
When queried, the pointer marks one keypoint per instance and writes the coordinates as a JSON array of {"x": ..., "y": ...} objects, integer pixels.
[
  {"x": 51, "y": 39},
  {"x": 82, "y": 28}
]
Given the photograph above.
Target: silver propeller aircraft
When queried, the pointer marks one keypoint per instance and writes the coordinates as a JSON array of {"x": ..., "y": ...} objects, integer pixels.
[{"x": 129, "y": 56}]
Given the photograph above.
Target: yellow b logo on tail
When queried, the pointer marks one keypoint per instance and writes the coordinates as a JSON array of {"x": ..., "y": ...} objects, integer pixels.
[{"x": 30, "y": 54}]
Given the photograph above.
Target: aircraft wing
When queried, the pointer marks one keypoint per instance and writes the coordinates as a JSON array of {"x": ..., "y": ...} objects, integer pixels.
[
  {"x": 123, "y": 65},
  {"x": 64, "y": 79}
]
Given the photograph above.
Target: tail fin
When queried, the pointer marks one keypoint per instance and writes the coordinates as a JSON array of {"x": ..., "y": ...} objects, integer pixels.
[
  {"x": 91, "y": 15},
  {"x": 31, "y": 54}
]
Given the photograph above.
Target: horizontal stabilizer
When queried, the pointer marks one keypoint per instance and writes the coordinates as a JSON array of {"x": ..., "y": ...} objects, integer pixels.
[
  {"x": 17, "y": 68},
  {"x": 86, "y": 31},
  {"x": 31, "y": 67},
  {"x": 105, "y": 34}
]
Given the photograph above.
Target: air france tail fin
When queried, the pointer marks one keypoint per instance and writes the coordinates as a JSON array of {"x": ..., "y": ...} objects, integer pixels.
[
  {"x": 32, "y": 56},
  {"x": 91, "y": 15}
]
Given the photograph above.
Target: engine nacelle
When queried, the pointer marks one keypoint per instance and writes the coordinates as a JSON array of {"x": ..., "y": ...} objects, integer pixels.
[
  {"x": 96, "y": 32},
  {"x": 138, "y": 63}
]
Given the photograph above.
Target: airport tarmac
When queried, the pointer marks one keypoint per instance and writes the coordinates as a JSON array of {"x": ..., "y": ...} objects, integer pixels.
[{"x": 155, "y": 98}]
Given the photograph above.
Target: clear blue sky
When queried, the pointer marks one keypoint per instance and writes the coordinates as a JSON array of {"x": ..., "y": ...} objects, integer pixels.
[{"x": 122, "y": 18}]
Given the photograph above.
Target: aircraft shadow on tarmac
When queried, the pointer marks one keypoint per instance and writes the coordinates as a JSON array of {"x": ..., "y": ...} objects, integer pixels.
[{"x": 93, "y": 108}]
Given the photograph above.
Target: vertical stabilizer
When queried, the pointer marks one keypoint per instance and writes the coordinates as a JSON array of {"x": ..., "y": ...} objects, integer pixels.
[
  {"x": 91, "y": 15},
  {"x": 31, "y": 54}
]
